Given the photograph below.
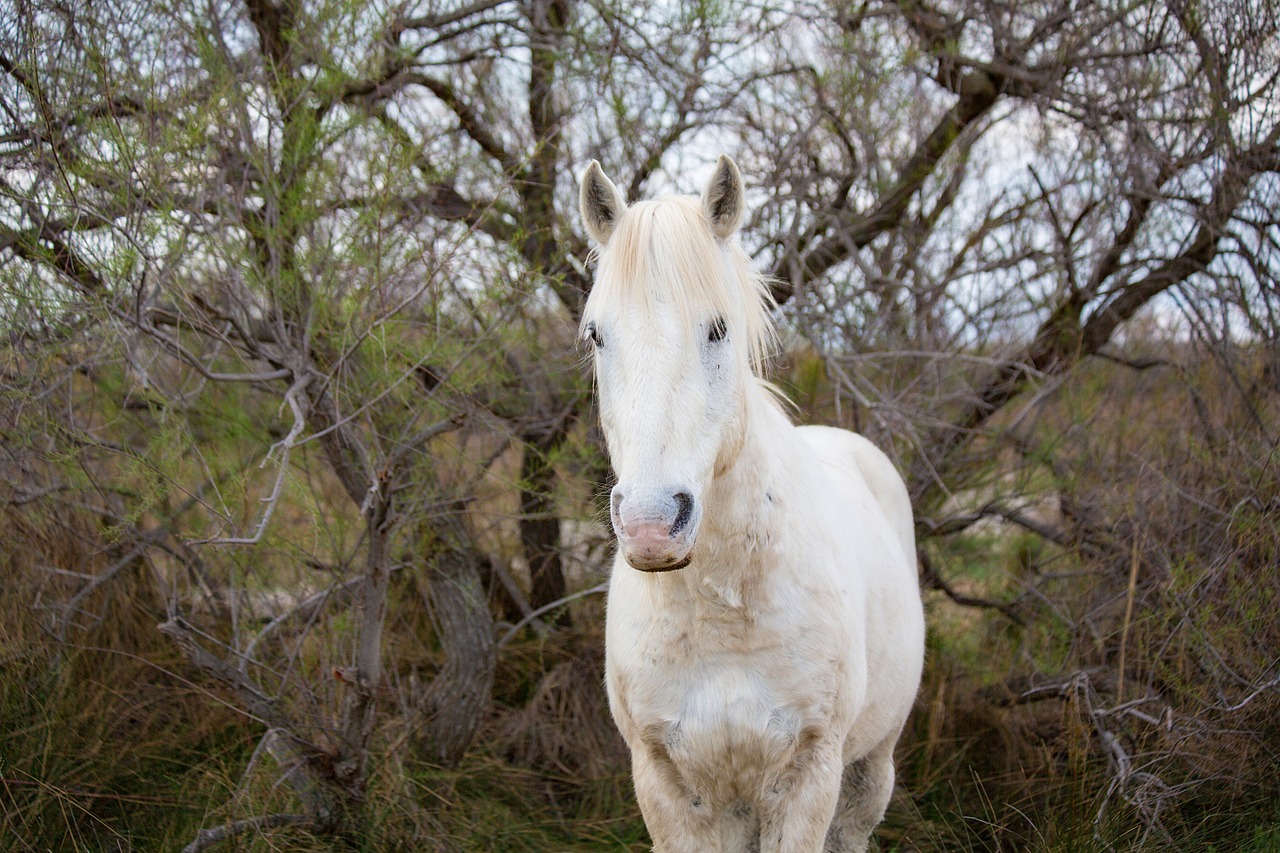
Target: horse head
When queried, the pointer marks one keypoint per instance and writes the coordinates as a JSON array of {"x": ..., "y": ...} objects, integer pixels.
[{"x": 677, "y": 324}]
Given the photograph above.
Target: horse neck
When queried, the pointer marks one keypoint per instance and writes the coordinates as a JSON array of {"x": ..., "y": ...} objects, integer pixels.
[{"x": 741, "y": 512}]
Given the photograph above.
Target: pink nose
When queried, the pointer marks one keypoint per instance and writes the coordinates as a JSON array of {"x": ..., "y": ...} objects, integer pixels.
[
  {"x": 648, "y": 542},
  {"x": 655, "y": 531}
]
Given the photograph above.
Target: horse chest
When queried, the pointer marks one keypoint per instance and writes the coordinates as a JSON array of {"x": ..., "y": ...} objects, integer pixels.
[{"x": 729, "y": 701}]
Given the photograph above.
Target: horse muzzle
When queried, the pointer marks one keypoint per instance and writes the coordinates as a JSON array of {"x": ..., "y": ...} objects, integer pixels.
[{"x": 656, "y": 529}]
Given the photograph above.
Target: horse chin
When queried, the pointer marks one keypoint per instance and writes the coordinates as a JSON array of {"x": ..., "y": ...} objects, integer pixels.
[{"x": 657, "y": 566}]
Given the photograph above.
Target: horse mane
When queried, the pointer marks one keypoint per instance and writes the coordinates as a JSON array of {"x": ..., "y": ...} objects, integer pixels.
[{"x": 663, "y": 251}]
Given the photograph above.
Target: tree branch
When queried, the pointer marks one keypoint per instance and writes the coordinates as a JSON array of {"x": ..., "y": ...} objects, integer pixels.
[
  {"x": 1063, "y": 339},
  {"x": 819, "y": 253},
  {"x": 932, "y": 579},
  {"x": 210, "y": 836},
  {"x": 470, "y": 122}
]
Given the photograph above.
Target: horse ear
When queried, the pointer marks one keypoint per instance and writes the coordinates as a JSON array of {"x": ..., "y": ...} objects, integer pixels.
[
  {"x": 600, "y": 202},
  {"x": 724, "y": 198}
]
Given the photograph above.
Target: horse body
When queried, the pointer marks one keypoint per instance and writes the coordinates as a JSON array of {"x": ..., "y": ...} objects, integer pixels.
[{"x": 764, "y": 632}]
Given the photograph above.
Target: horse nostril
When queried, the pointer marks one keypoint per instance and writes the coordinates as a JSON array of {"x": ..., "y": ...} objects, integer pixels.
[{"x": 684, "y": 509}]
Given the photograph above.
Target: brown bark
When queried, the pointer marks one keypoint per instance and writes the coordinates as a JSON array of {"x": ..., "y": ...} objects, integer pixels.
[
  {"x": 540, "y": 523},
  {"x": 451, "y": 706}
]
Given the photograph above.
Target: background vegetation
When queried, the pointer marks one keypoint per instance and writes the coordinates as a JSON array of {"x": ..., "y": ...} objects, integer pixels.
[{"x": 299, "y": 474}]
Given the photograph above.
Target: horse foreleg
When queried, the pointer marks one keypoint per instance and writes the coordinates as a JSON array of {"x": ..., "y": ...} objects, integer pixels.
[
  {"x": 865, "y": 789},
  {"x": 802, "y": 803},
  {"x": 677, "y": 820}
]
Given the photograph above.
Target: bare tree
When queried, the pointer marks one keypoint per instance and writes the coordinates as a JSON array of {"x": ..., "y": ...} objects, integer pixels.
[
  {"x": 1144, "y": 144},
  {"x": 330, "y": 219},
  {"x": 283, "y": 281}
]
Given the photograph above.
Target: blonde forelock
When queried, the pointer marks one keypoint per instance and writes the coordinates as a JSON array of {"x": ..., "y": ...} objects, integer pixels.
[{"x": 664, "y": 251}]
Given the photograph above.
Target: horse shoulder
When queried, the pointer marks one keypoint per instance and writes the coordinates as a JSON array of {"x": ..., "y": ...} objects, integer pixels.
[{"x": 854, "y": 457}]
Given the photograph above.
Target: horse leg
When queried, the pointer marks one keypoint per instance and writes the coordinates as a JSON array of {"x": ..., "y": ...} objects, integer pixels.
[
  {"x": 865, "y": 789},
  {"x": 677, "y": 819},
  {"x": 801, "y": 806}
]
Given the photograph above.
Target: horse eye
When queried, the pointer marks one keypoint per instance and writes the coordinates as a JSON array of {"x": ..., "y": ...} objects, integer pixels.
[
  {"x": 717, "y": 330},
  {"x": 593, "y": 335}
]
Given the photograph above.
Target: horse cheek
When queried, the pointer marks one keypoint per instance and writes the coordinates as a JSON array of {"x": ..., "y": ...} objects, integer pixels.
[{"x": 734, "y": 438}]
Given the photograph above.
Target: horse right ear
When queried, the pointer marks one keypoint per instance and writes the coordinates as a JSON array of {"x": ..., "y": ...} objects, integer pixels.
[{"x": 600, "y": 202}]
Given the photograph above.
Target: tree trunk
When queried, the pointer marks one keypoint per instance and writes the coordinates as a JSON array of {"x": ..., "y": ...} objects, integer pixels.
[
  {"x": 540, "y": 523},
  {"x": 452, "y": 705},
  {"x": 363, "y": 677}
]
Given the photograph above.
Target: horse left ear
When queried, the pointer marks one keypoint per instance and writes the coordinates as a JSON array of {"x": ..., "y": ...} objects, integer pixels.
[{"x": 724, "y": 198}]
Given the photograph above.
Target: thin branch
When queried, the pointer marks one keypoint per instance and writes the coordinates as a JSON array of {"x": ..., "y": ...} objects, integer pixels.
[
  {"x": 306, "y": 610},
  {"x": 547, "y": 608},
  {"x": 470, "y": 122},
  {"x": 255, "y": 702},
  {"x": 930, "y": 576},
  {"x": 210, "y": 836},
  {"x": 295, "y": 399},
  {"x": 958, "y": 523},
  {"x": 72, "y": 605},
  {"x": 444, "y": 19}
]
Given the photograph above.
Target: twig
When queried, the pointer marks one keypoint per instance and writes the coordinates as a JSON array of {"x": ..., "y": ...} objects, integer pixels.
[
  {"x": 1142, "y": 363},
  {"x": 258, "y": 704},
  {"x": 1142, "y": 789},
  {"x": 206, "y": 838},
  {"x": 191, "y": 360},
  {"x": 513, "y": 591},
  {"x": 559, "y": 602},
  {"x": 1262, "y": 688},
  {"x": 73, "y": 604},
  {"x": 307, "y": 607},
  {"x": 1128, "y": 618},
  {"x": 307, "y": 776},
  {"x": 292, "y": 398},
  {"x": 930, "y": 575},
  {"x": 927, "y": 527},
  {"x": 37, "y": 494}
]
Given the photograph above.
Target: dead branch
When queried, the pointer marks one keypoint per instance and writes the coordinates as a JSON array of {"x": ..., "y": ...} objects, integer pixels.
[
  {"x": 932, "y": 579},
  {"x": 533, "y": 615},
  {"x": 210, "y": 836}
]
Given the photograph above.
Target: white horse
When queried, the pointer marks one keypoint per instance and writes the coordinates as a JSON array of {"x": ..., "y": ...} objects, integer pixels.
[{"x": 765, "y": 634}]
